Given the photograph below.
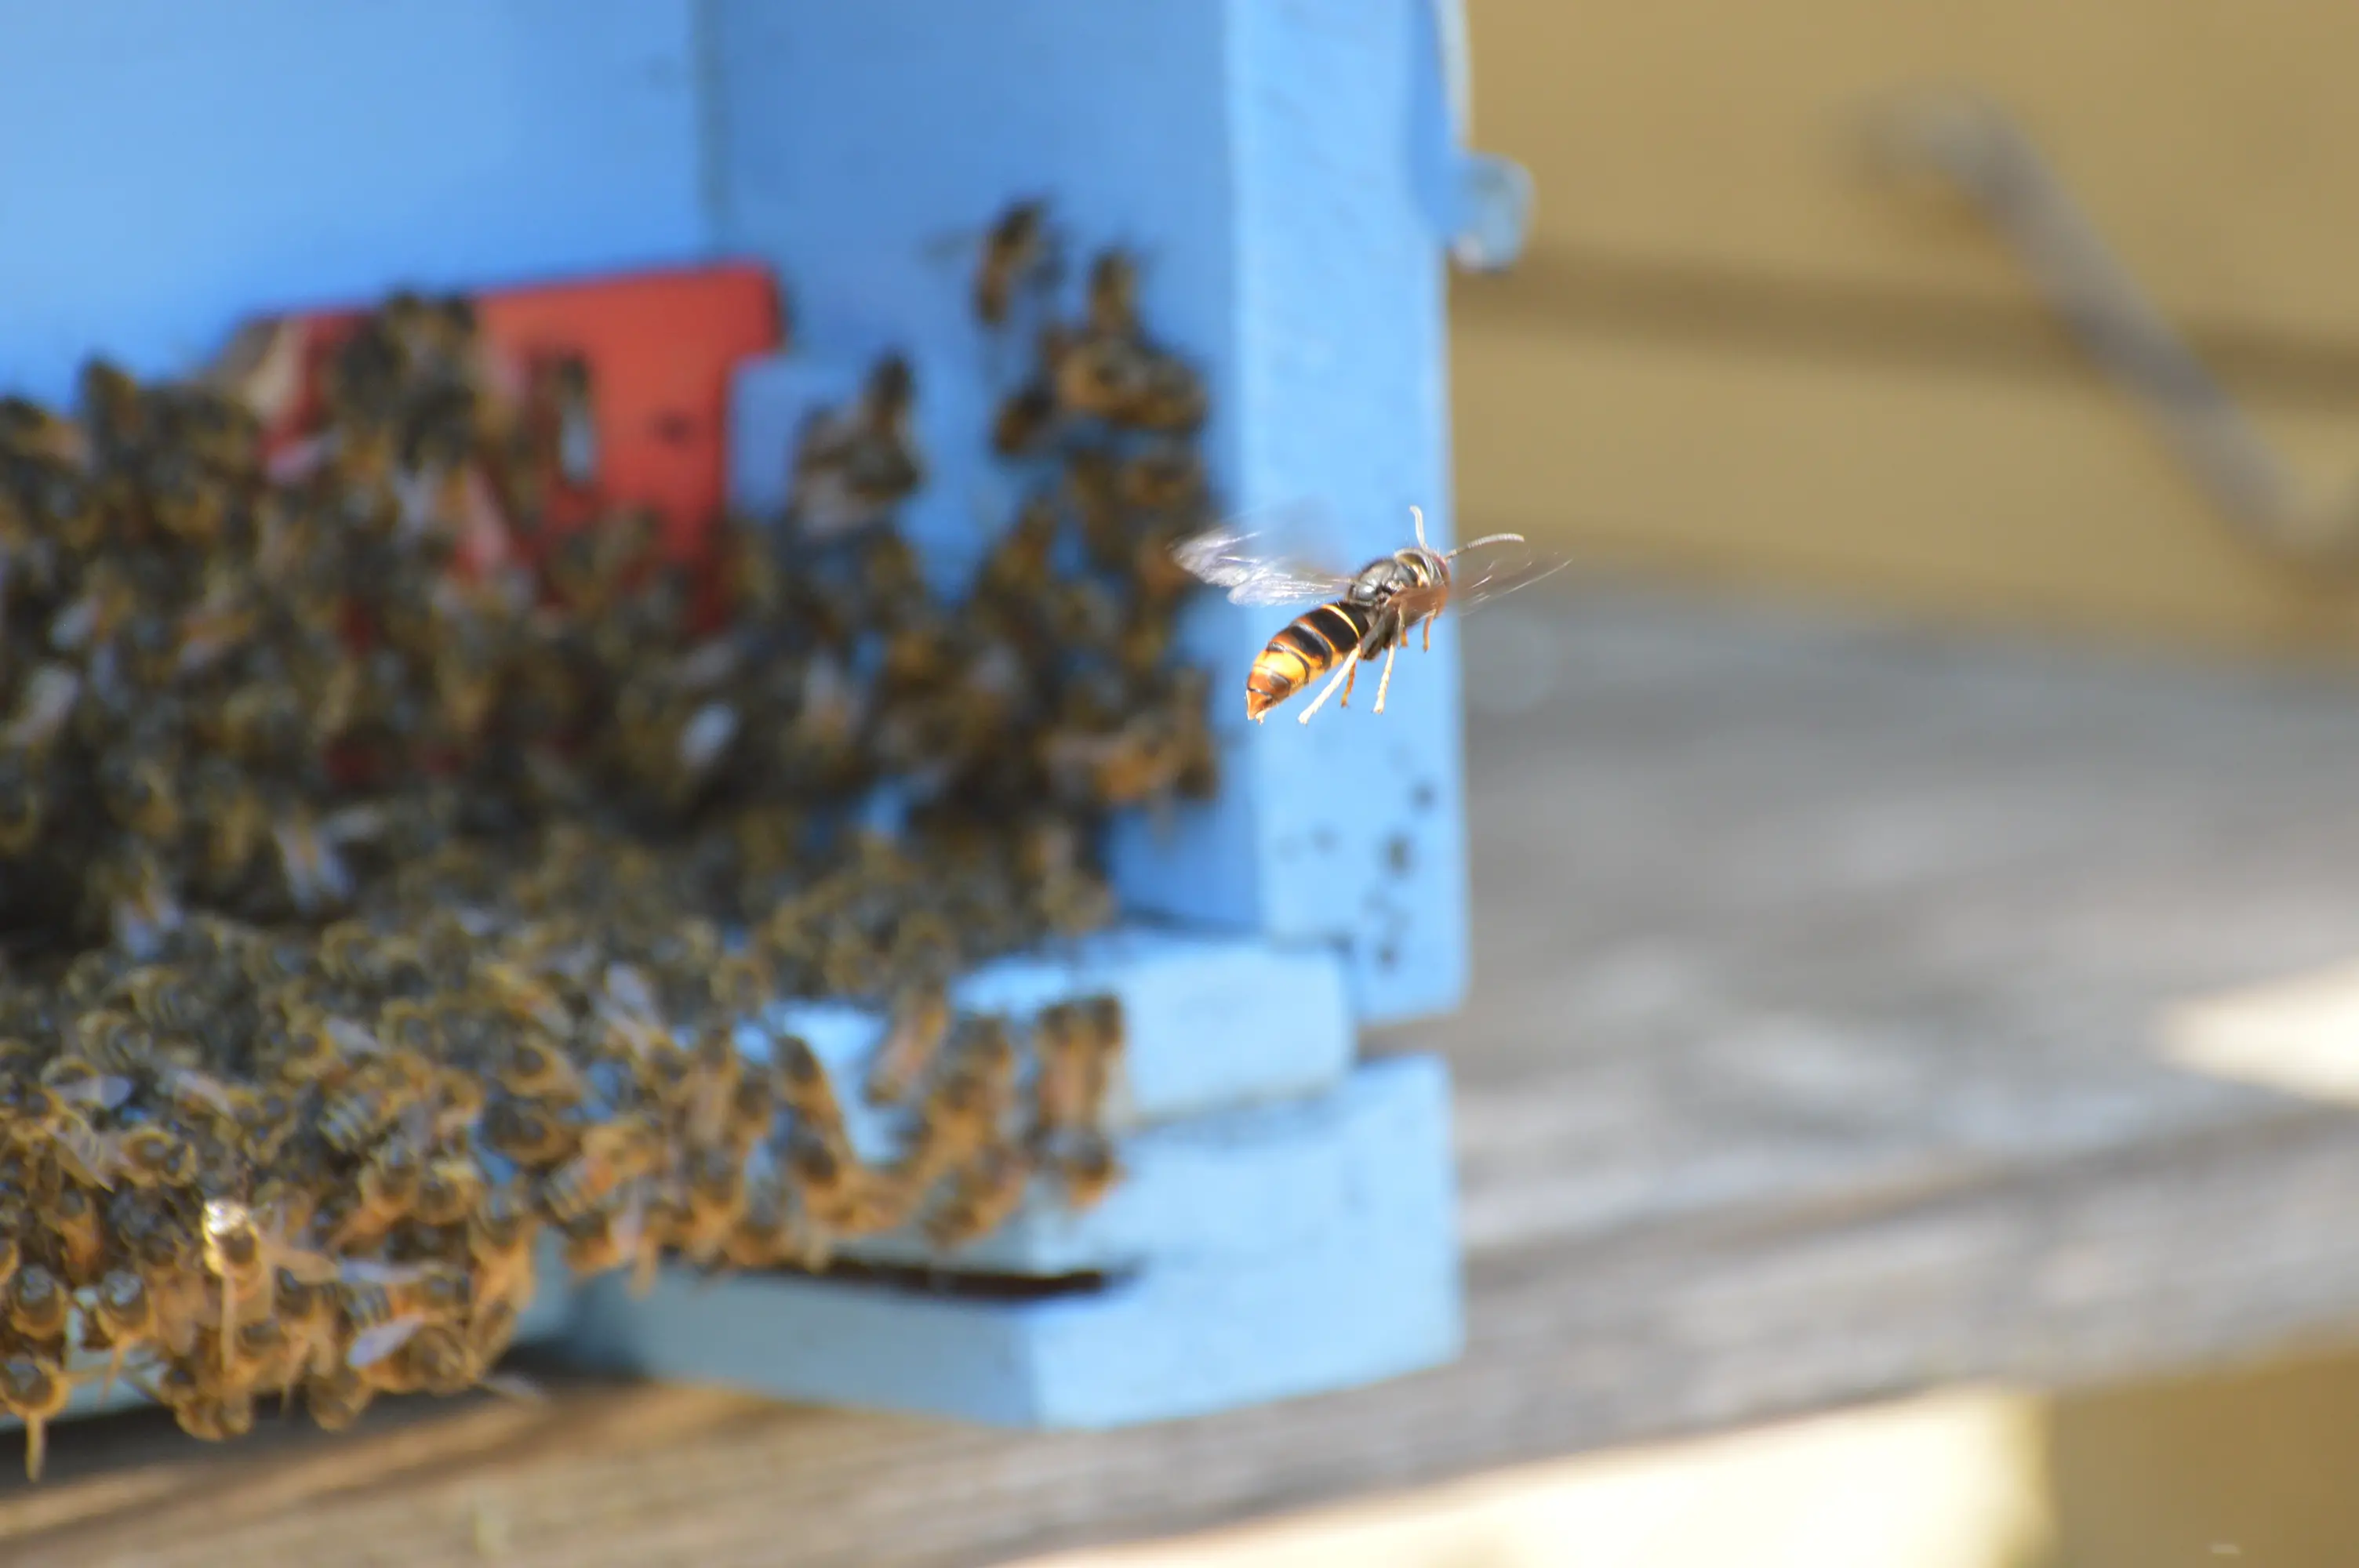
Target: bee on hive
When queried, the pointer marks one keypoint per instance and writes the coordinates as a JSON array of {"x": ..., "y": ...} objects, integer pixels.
[
  {"x": 35, "y": 1388},
  {"x": 1019, "y": 253},
  {"x": 852, "y": 467},
  {"x": 916, "y": 1030}
]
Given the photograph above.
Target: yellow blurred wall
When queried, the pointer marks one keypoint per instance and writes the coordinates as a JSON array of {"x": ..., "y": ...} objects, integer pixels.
[{"x": 1730, "y": 353}]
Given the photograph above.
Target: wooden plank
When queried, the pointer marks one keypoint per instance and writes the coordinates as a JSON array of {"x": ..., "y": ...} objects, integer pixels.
[
  {"x": 2211, "y": 143},
  {"x": 1996, "y": 497},
  {"x": 1813, "y": 1057}
]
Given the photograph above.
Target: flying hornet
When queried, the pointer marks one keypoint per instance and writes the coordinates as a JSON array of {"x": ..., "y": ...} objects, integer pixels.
[{"x": 1361, "y": 614}]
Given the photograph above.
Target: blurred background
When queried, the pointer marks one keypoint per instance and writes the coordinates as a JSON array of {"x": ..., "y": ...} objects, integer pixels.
[
  {"x": 1951, "y": 410},
  {"x": 1735, "y": 350}
]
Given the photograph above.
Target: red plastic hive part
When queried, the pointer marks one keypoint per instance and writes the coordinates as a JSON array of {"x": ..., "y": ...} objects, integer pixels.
[{"x": 661, "y": 346}]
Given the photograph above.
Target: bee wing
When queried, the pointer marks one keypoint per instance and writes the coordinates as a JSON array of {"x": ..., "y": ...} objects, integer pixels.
[
  {"x": 518, "y": 1387},
  {"x": 374, "y": 1344},
  {"x": 198, "y": 1086},
  {"x": 1490, "y": 569},
  {"x": 372, "y": 1272},
  {"x": 106, "y": 1091},
  {"x": 354, "y": 1038},
  {"x": 1284, "y": 557},
  {"x": 629, "y": 988}
]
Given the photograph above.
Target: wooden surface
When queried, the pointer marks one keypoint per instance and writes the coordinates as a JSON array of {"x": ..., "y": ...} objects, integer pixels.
[{"x": 1813, "y": 1059}]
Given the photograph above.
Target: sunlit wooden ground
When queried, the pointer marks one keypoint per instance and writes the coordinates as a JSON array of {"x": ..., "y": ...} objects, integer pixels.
[{"x": 1817, "y": 1060}]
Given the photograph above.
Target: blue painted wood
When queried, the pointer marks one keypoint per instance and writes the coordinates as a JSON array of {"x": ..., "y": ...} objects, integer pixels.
[
  {"x": 1286, "y": 167},
  {"x": 1287, "y": 170},
  {"x": 1284, "y": 1303},
  {"x": 168, "y": 168}
]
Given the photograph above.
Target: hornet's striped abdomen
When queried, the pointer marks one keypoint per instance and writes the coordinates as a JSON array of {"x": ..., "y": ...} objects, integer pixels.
[{"x": 1305, "y": 651}]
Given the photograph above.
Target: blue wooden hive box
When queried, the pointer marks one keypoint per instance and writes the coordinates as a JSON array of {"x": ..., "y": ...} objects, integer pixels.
[{"x": 1291, "y": 171}]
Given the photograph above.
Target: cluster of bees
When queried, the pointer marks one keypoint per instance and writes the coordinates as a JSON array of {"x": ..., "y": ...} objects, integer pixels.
[{"x": 386, "y": 869}]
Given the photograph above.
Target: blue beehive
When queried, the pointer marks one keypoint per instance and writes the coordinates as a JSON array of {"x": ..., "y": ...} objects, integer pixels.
[{"x": 1289, "y": 171}]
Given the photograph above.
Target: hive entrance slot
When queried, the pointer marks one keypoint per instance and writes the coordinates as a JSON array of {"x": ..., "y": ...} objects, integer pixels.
[{"x": 959, "y": 1285}]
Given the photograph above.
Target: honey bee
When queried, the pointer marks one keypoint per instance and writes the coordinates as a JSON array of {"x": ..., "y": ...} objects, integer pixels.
[
  {"x": 385, "y": 1305},
  {"x": 216, "y": 1415},
  {"x": 37, "y": 1303},
  {"x": 851, "y": 468},
  {"x": 613, "y": 1236},
  {"x": 714, "y": 1075},
  {"x": 826, "y": 1180},
  {"x": 1019, "y": 252},
  {"x": 1112, "y": 295},
  {"x": 319, "y": 1047},
  {"x": 1369, "y": 613},
  {"x": 214, "y": 628},
  {"x": 981, "y": 1198},
  {"x": 1027, "y": 419},
  {"x": 438, "y": 1359},
  {"x": 573, "y": 415},
  {"x": 372, "y": 1099},
  {"x": 806, "y": 1087},
  {"x": 386, "y": 1192},
  {"x": 528, "y": 1132},
  {"x": 1100, "y": 377},
  {"x": 134, "y": 893},
  {"x": 36, "y": 1389},
  {"x": 123, "y": 1309},
  {"x": 611, "y": 1155},
  {"x": 244, "y": 1249},
  {"x": 1076, "y": 1043},
  {"x": 920, "y": 1022},
  {"x": 136, "y": 785},
  {"x": 310, "y": 849},
  {"x": 74, "y": 1228},
  {"x": 535, "y": 1067},
  {"x": 338, "y": 1395},
  {"x": 524, "y": 997},
  {"x": 163, "y": 997},
  {"x": 1086, "y": 1168},
  {"x": 199, "y": 1095},
  {"x": 49, "y": 700},
  {"x": 450, "y": 1189},
  {"x": 185, "y": 1384},
  {"x": 408, "y": 1027},
  {"x": 500, "y": 1243},
  {"x": 84, "y": 1085},
  {"x": 1165, "y": 475},
  {"x": 99, "y": 614},
  {"x": 261, "y": 367},
  {"x": 966, "y": 1105},
  {"x": 79, "y": 1149},
  {"x": 24, "y": 801},
  {"x": 1167, "y": 395},
  {"x": 716, "y": 1193}
]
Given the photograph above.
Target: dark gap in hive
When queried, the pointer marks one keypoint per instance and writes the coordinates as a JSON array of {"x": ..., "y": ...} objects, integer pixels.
[{"x": 960, "y": 1283}]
